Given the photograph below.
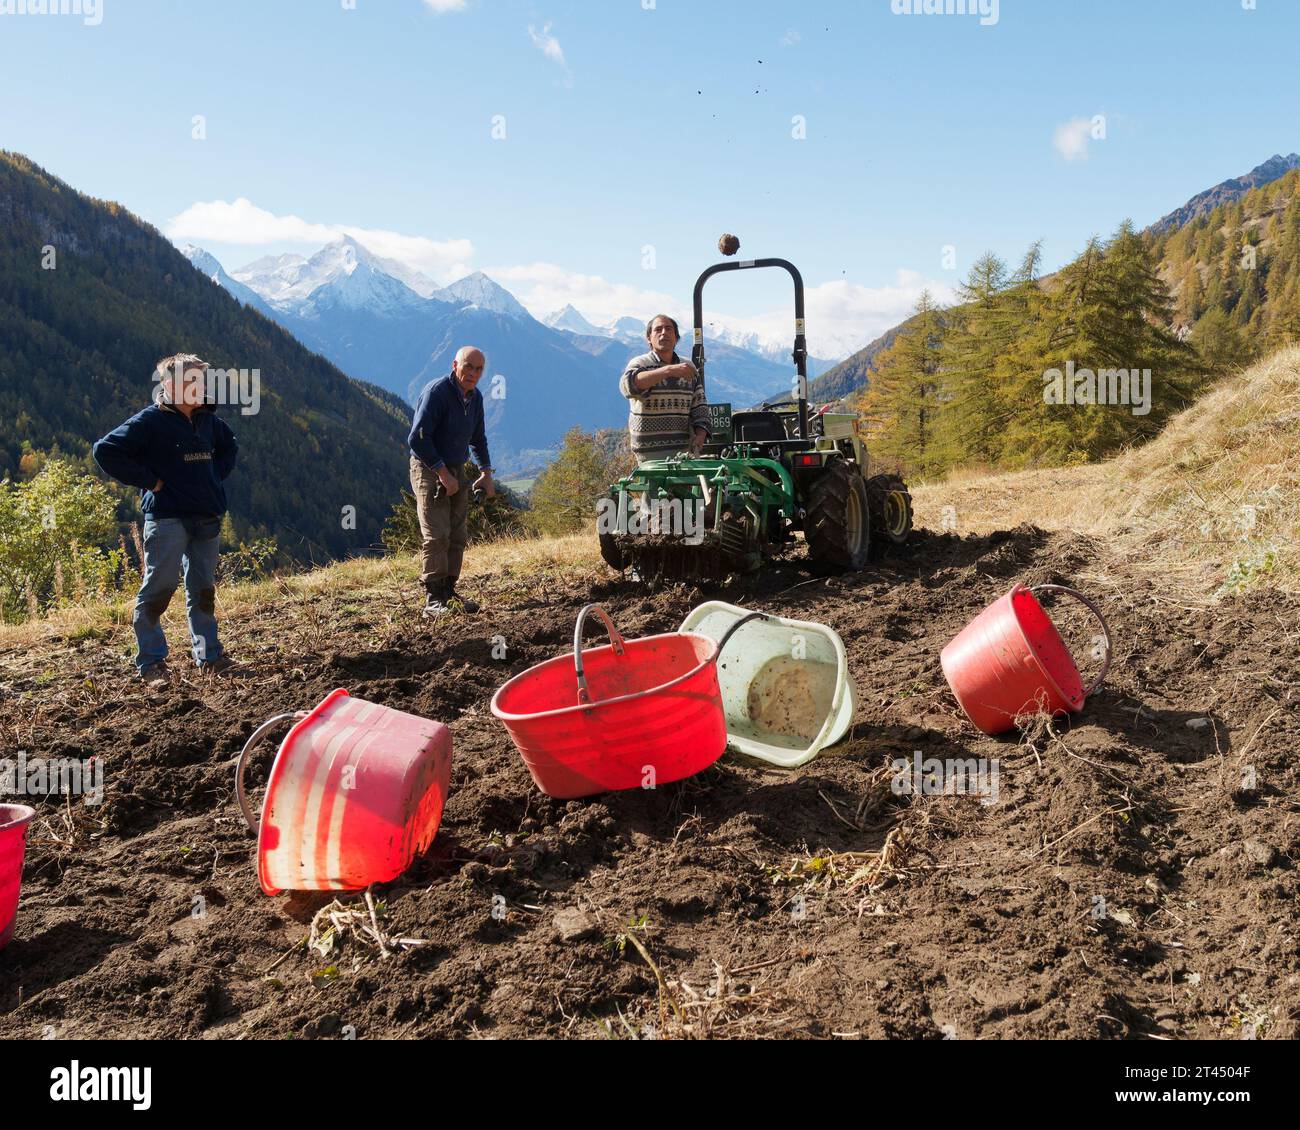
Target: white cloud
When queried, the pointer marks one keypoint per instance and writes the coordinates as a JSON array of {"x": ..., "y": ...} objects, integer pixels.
[
  {"x": 790, "y": 38},
  {"x": 549, "y": 46},
  {"x": 843, "y": 316},
  {"x": 441, "y": 6},
  {"x": 244, "y": 224},
  {"x": 1071, "y": 139},
  {"x": 546, "y": 287}
]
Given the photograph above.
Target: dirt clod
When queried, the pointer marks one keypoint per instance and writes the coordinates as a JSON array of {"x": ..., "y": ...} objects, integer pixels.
[{"x": 573, "y": 924}]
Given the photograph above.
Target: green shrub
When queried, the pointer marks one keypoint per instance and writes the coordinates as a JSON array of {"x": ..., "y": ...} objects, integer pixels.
[{"x": 53, "y": 530}]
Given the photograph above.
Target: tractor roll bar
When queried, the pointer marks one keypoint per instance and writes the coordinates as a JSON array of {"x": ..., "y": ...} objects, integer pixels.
[{"x": 800, "y": 355}]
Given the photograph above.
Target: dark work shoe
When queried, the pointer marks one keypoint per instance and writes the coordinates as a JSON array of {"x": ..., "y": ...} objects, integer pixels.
[
  {"x": 155, "y": 675},
  {"x": 454, "y": 598},
  {"x": 436, "y": 604},
  {"x": 222, "y": 665}
]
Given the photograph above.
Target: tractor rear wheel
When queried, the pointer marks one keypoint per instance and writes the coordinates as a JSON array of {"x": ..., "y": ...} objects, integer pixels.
[
  {"x": 837, "y": 525},
  {"x": 891, "y": 510}
]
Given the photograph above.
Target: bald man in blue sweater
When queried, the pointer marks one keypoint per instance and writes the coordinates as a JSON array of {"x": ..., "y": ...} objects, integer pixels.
[{"x": 448, "y": 423}]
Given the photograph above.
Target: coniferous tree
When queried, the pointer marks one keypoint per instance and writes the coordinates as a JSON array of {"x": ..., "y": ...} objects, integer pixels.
[
  {"x": 903, "y": 403},
  {"x": 979, "y": 331}
]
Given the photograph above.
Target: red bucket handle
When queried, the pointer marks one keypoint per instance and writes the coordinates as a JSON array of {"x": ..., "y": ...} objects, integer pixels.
[
  {"x": 1105, "y": 630},
  {"x": 614, "y": 638},
  {"x": 256, "y": 736}
]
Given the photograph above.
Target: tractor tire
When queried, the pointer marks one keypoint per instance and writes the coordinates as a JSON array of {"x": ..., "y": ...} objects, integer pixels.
[
  {"x": 891, "y": 511},
  {"x": 610, "y": 552},
  {"x": 837, "y": 522}
]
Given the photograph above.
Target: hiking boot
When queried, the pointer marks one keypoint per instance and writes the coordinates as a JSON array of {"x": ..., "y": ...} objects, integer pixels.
[
  {"x": 222, "y": 665},
  {"x": 155, "y": 676},
  {"x": 464, "y": 601},
  {"x": 436, "y": 605}
]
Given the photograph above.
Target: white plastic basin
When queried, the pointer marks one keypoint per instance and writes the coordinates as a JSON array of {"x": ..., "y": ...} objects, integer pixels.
[{"x": 786, "y": 688}]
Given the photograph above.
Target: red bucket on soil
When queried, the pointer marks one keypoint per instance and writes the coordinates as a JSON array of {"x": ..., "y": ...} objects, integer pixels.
[
  {"x": 1010, "y": 661},
  {"x": 14, "y": 819},
  {"x": 631, "y": 715},
  {"x": 355, "y": 794}
]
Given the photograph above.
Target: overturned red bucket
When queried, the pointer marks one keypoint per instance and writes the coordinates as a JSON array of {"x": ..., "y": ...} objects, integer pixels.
[
  {"x": 14, "y": 819},
  {"x": 355, "y": 794},
  {"x": 1010, "y": 661}
]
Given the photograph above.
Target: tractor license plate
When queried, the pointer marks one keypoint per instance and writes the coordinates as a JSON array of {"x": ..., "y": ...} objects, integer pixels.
[{"x": 720, "y": 423}]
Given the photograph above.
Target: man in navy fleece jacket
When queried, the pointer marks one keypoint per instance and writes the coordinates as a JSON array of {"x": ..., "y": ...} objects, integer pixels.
[
  {"x": 179, "y": 453},
  {"x": 448, "y": 423}
]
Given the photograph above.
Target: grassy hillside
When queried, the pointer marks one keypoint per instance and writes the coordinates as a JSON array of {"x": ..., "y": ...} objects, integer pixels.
[{"x": 1213, "y": 496}]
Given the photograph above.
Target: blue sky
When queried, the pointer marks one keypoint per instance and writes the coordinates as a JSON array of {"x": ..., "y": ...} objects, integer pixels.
[{"x": 627, "y": 127}]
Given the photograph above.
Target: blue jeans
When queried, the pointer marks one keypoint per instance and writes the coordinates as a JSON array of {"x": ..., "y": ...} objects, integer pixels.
[{"x": 171, "y": 549}]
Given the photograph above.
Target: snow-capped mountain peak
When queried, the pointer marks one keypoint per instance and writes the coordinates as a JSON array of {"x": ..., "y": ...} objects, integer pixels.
[
  {"x": 479, "y": 290},
  {"x": 571, "y": 319},
  {"x": 203, "y": 261},
  {"x": 208, "y": 264},
  {"x": 342, "y": 273},
  {"x": 627, "y": 328}
]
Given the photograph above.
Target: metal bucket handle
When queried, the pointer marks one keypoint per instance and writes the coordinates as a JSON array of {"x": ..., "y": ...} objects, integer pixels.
[
  {"x": 738, "y": 625},
  {"x": 615, "y": 639},
  {"x": 256, "y": 736},
  {"x": 1105, "y": 630},
  {"x": 620, "y": 644}
]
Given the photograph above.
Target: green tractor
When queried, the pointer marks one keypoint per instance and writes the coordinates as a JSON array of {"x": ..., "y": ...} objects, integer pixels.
[{"x": 765, "y": 475}]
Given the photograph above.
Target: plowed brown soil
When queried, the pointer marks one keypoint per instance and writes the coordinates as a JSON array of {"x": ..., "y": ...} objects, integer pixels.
[{"x": 1129, "y": 881}]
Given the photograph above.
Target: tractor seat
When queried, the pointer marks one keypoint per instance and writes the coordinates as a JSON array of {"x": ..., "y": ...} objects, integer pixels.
[{"x": 757, "y": 427}]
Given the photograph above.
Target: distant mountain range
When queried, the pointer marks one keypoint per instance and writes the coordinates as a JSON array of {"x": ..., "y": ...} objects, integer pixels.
[{"x": 383, "y": 322}]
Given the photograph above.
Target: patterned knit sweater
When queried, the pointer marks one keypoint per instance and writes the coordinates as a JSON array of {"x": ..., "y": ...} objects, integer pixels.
[{"x": 663, "y": 416}]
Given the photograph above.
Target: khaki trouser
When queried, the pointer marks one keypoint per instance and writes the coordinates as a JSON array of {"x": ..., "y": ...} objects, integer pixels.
[{"x": 443, "y": 520}]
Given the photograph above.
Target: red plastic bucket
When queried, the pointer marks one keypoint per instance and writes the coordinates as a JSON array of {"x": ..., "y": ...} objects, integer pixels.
[
  {"x": 630, "y": 715},
  {"x": 355, "y": 794},
  {"x": 1010, "y": 661},
  {"x": 14, "y": 819}
]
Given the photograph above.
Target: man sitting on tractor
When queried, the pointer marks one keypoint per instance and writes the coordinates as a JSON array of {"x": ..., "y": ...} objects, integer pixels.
[{"x": 668, "y": 411}]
